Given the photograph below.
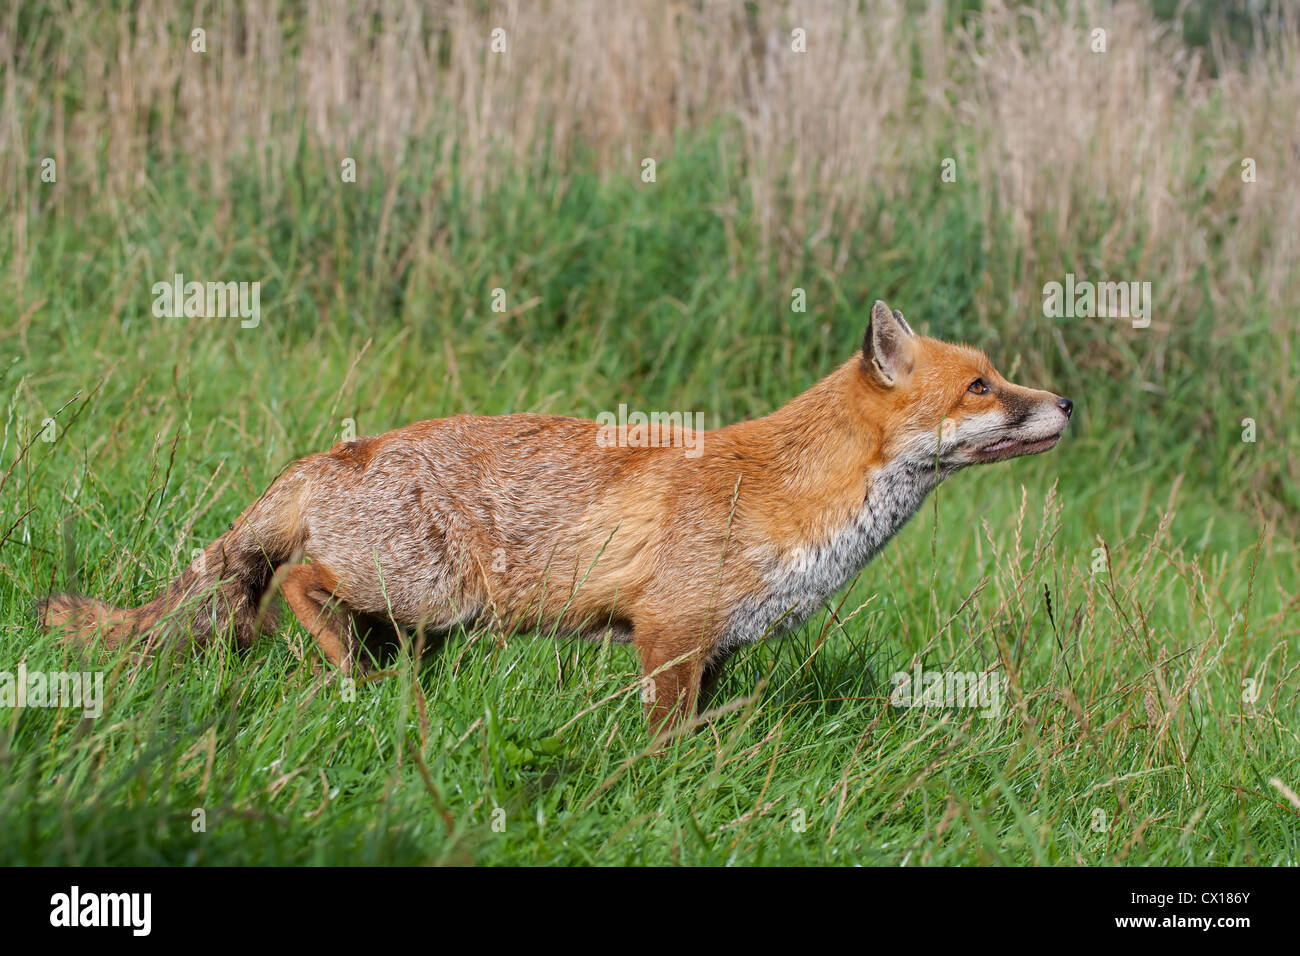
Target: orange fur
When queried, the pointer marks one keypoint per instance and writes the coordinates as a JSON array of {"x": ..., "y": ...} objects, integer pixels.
[{"x": 529, "y": 521}]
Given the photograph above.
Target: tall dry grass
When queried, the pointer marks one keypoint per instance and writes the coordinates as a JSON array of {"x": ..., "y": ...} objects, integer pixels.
[{"x": 1125, "y": 162}]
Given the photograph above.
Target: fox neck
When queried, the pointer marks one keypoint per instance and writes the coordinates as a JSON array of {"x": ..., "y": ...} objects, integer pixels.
[
  {"x": 825, "y": 457},
  {"x": 832, "y": 499}
]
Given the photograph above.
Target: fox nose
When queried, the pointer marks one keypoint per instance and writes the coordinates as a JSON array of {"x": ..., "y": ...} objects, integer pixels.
[{"x": 1065, "y": 405}]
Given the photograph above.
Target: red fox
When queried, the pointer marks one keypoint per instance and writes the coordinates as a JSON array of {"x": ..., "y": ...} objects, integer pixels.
[{"x": 688, "y": 549}]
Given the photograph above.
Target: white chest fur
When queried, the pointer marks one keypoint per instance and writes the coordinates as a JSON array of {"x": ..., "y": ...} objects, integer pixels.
[{"x": 800, "y": 581}]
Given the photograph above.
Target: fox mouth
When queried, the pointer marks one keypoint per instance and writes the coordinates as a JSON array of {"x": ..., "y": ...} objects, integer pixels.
[{"x": 1014, "y": 448}]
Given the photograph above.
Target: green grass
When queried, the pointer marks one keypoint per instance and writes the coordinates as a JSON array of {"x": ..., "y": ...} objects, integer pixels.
[
  {"x": 1126, "y": 683},
  {"x": 1130, "y": 704}
]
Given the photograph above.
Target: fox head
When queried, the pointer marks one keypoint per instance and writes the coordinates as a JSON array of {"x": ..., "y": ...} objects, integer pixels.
[{"x": 946, "y": 404}]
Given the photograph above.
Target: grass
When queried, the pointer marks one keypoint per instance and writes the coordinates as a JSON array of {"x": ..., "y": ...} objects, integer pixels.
[
  {"x": 1152, "y": 686},
  {"x": 1125, "y": 698}
]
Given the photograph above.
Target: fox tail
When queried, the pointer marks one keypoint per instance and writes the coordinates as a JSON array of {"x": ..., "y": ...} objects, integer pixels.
[{"x": 221, "y": 591}]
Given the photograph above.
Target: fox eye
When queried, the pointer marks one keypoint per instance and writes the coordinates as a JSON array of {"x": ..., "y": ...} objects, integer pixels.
[{"x": 978, "y": 387}]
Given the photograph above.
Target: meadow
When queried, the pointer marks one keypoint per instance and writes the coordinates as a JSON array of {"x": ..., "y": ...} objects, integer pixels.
[{"x": 1137, "y": 586}]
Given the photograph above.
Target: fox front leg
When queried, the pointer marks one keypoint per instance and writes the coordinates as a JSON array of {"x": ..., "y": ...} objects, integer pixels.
[{"x": 675, "y": 679}]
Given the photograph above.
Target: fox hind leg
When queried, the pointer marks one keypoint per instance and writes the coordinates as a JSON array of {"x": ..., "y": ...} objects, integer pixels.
[{"x": 326, "y": 619}]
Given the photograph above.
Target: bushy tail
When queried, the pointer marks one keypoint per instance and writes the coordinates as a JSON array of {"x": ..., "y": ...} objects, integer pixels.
[{"x": 220, "y": 592}]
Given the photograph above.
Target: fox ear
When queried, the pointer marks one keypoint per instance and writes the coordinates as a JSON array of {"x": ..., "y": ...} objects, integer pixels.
[
  {"x": 887, "y": 347},
  {"x": 903, "y": 322}
]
